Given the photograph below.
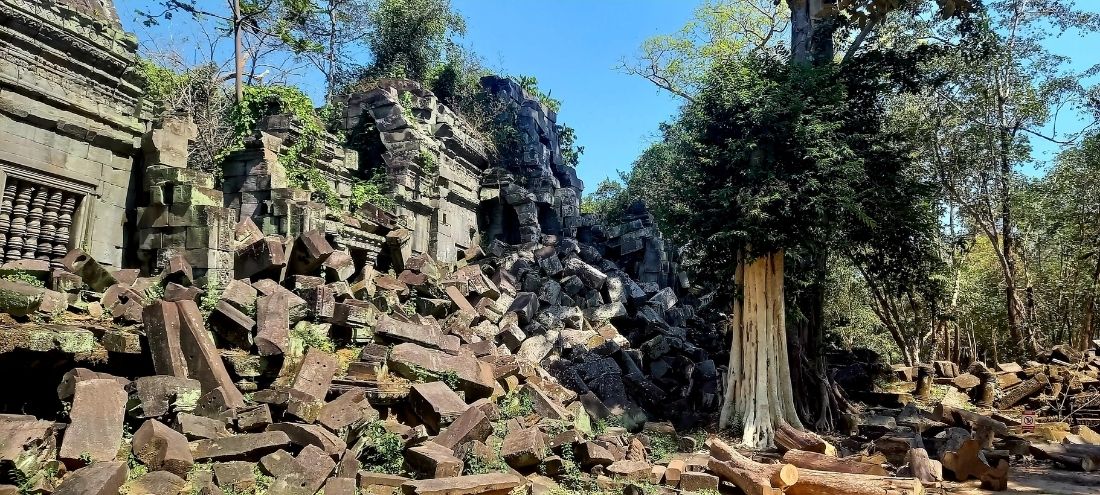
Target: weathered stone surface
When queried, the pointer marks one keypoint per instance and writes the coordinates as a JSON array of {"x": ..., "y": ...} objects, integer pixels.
[
  {"x": 303, "y": 434},
  {"x": 475, "y": 377},
  {"x": 95, "y": 430},
  {"x": 316, "y": 466},
  {"x": 196, "y": 427},
  {"x": 237, "y": 476},
  {"x": 471, "y": 425},
  {"x": 478, "y": 484},
  {"x": 162, "y": 329},
  {"x": 273, "y": 324},
  {"x": 524, "y": 447},
  {"x": 436, "y": 404},
  {"x": 162, "y": 448},
  {"x": 279, "y": 463},
  {"x": 433, "y": 461},
  {"x": 240, "y": 294},
  {"x": 350, "y": 408},
  {"x": 156, "y": 393},
  {"x": 156, "y": 483},
  {"x": 100, "y": 478},
  {"x": 380, "y": 483},
  {"x": 203, "y": 360},
  {"x": 315, "y": 375},
  {"x": 399, "y": 331},
  {"x": 245, "y": 446}
]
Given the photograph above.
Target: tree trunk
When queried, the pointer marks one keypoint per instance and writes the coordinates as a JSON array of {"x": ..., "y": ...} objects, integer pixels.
[
  {"x": 238, "y": 52},
  {"x": 759, "y": 391}
]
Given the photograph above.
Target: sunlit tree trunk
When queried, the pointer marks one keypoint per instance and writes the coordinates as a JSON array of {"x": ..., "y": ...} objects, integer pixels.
[{"x": 759, "y": 393}]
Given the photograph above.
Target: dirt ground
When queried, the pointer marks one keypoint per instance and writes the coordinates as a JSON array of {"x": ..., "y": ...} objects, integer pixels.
[{"x": 1035, "y": 481}]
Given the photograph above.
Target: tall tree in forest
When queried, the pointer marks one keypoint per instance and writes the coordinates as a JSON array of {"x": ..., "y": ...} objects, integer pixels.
[
  {"x": 773, "y": 159},
  {"x": 326, "y": 32},
  {"x": 1004, "y": 90}
]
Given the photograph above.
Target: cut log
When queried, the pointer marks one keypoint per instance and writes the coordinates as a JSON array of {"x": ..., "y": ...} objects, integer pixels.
[
  {"x": 755, "y": 478},
  {"x": 1009, "y": 367},
  {"x": 788, "y": 437},
  {"x": 967, "y": 419},
  {"x": 1092, "y": 452},
  {"x": 821, "y": 462},
  {"x": 1059, "y": 455},
  {"x": 924, "y": 469},
  {"x": 1008, "y": 380},
  {"x": 823, "y": 483},
  {"x": 1022, "y": 391},
  {"x": 924, "y": 381}
]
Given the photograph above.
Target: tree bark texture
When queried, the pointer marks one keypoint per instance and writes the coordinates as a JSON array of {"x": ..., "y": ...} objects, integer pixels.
[{"x": 759, "y": 393}]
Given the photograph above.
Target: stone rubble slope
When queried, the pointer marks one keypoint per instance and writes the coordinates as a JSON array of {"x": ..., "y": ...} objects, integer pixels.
[{"x": 526, "y": 366}]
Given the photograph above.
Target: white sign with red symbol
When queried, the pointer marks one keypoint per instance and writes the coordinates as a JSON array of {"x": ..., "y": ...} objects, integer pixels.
[{"x": 1027, "y": 423}]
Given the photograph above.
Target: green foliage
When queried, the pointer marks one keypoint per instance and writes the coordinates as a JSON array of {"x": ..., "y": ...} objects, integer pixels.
[
  {"x": 476, "y": 464},
  {"x": 211, "y": 294},
  {"x": 530, "y": 84},
  {"x": 24, "y": 278},
  {"x": 383, "y": 451},
  {"x": 515, "y": 404},
  {"x": 310, "y": 337},
  {"x": 662, "y": 446},
  {"x": 408, "y": 37},
  {"x": 609, "y": 201},
  {"x": 298, "y": 157},
  {"x": 371, "y": 191}
]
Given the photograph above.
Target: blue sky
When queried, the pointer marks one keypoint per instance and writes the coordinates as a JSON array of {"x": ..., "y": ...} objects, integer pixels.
[{"x": 573, "y": 47}]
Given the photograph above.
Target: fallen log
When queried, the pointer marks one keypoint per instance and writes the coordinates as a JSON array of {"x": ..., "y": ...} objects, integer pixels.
[
  {"x": 1062, "y": 457},
  {"x": 1091, "y": 452},
  {"x": 788, "y": 437},
  {"x": 1022, "y": 391},
  {"x": 812, "y": 482},
  {"x": 756, "y": 478},
  {"x": 821, "y": 462},
  {"x": 751, "y": 477}
]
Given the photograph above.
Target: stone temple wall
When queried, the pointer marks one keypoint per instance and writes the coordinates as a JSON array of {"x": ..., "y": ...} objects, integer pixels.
[
  {"x": 431, "y": 159},
  {"x": 70, "y": 129}
]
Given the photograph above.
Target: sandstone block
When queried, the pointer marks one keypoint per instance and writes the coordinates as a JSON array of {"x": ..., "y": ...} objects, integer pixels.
[{"x": 95, "y": 428}]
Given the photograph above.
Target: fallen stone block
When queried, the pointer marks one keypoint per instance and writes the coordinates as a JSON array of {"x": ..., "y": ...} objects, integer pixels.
[
  {"x": 524, "y": 447},
  {"x": 273, "y": 324},
  {"x": 478, "y": 484},
  {"x": 436, "y": 404},
  {"x": 155, "y": 483},
  {"x": 314, "y": 377},
  {"x": 279, "y": 463},
  {"x": 235, "y": 476},
  {"x": 19, "y": 298},
  {"x": 100, "y": 478},
  {"x": 433, "y": 461},
  {"x": 245, "y": 446},
  {"x": 90, "y": 271},
  {"x": 196, "y": 427},
  {"x": 349, "y": 409},
  {"x": 400, "y": 331},
  {"x": 475, "y": 377},
  {"x": 255, "y": 418},
  {"x": 316, "y": 466},
  {"x": 95, "y": 428},
  {"x": 162, "y": 448},
  {"x": 155, "y": 394},
  {"x": 471, "y": 425},
  {"x": 304, "y": 434},
  {"x": 240, "y": 294},
  {"x": 339, "y": 486},
  {"x": 232, "y": 325},
  {"x": 203, "y": 360}
]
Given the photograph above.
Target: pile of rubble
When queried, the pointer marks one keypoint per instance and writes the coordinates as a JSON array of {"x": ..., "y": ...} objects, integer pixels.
[{"x": 309, "y": 371}]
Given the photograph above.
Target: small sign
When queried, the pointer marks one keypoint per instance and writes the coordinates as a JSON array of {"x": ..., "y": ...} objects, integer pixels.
[{"x": 1027, "y": 423}]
